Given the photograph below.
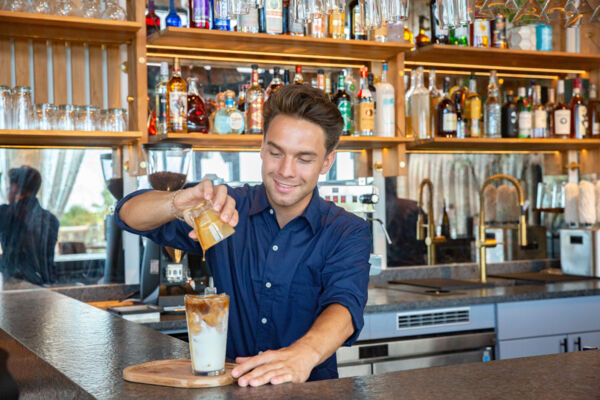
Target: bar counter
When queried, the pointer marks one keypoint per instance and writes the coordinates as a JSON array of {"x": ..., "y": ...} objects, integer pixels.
[{"x": 62, "y": 348}]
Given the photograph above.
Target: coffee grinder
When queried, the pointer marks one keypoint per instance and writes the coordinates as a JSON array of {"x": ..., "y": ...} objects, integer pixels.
[
  {"x": 165, "y": 277},
  {"x": 113, "y": 179}
]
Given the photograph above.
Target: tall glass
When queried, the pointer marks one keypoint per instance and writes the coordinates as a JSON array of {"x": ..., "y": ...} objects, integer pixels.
[
  {"x": 66, "y": 117},
  {"x": 117, "y": 120},
  {"x": 5, "y": 108},
  {"x": 22, "y": 108},
  {"x": 207, "y": 318},
  {"x": 89, "y": 118},
  {"x": 47, "y": 114}
]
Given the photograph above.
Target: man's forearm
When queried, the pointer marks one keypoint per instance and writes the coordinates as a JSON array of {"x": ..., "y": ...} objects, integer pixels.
[
  {"x": 148, "y": 210},
  {"x": 329, "y": 331}
]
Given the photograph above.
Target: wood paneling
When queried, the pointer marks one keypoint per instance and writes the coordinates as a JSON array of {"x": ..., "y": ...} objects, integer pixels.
[
  {"x": 59, "y": 59},
  {"x": 37, "y": 138},
  {"x": 6, "y": 67},
  {"x": 78, "y": 73},
  {"x": 22, "y": 62},
  {"x": 114, "y": 77},
  {"x": 505, "y": 144},
  {"x": 96, "y": 76},
  {"x": 40, "y": 71}
]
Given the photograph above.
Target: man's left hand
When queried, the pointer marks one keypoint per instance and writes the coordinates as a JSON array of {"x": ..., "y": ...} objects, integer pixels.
[{"x": 289, "y": 364}]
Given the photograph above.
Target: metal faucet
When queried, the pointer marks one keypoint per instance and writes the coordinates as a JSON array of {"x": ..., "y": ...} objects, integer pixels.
[
  {"x": 482, "y": 244},
  {"x": 430, "y": 240}
]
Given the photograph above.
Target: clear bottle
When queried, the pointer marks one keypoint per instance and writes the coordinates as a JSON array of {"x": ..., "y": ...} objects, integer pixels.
[
  {"x": 549, "y": 108},
  {"x": 275, "y": 84},
  {"x": 365, "y": 121},
  {"x": 229, "y": 120},
  {"x": 561, "y": 114},
  {"x": 255, "y": 96},
  {"x": 459, "y": 96},
  {"x": 446, "y": 114},
  {"x": 473, "y": 109},
  {"x": 510, "y": 117},
  {"x": 172, "y": 18},
  {"x": 177, "y": 102},
  {"x": 408, "y": 104},
  {"x": 579, "y": 122},
  {"x": 540, "y": 118},
  {"x": 197, "y": 120},
  {"x": 298, "y": 79},
  {"x": 344, "y": 103},
  {"x": 160, "y": 100},
  {"x": 492, "y": 109},
  {"x": 385, "y": 114},
  {"x": 249, "y": 22},
  {"x": 219, "y": 104},
  {"x": 524, "y": 116},
  {"x": 420, "y": 111},
  {"x": 435, "y": 97},
  {"x": 199, "y": 14},
  {"x": 593, "y": 114}
]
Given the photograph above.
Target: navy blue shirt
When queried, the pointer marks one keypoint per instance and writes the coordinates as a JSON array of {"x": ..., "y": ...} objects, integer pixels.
[{"x": 280, "y": 280}]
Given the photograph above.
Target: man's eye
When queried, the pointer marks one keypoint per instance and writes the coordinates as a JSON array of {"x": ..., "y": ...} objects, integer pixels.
[
  {"x": 302, "y": 160},
  {"x": 274, "y": 154}
]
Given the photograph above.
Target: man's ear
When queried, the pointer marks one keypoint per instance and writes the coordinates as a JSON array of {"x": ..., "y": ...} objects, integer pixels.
[{"x": 329, "y": 159}]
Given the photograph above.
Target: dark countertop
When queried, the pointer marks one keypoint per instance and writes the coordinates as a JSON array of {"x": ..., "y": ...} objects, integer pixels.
[{"x": 80, "y": 351}]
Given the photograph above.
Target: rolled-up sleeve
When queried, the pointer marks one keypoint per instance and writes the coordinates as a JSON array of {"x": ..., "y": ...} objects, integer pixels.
[
  {"x": 346, "y": 274},
  {"x": 174, "y": 233}
]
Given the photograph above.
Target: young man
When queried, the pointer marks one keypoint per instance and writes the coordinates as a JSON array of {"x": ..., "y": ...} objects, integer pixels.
[{"x": 297, "y": 268}]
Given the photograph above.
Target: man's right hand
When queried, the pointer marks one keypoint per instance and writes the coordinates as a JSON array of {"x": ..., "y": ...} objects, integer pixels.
[{"x": 222, "y": 202}]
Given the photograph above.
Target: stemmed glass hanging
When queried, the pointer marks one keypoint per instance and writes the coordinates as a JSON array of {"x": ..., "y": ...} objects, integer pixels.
[
  {"x": 553, "y": 10},
  {"x": 482, "y": 10},
  {"x": 491, "y": 8},
  {"x": 527, "y": 12},
  {"x": 574, "y": 11},
  {"x": 373, "y": 18},
  {"x": 399, "y": 10},
  {"x": 595, "y": 19},
  {"x": 465, "y": 12},
  {"x": 511, "y": 5},
  {"x": 334, "y": 6}
]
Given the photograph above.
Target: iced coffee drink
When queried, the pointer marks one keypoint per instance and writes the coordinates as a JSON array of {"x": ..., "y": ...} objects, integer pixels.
[
  {"x": 207, "y": 318},
  {"x": 207, "y": 224}
]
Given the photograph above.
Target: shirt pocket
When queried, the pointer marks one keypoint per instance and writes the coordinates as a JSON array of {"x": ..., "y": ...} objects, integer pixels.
[{"x": 304, "y": 297}]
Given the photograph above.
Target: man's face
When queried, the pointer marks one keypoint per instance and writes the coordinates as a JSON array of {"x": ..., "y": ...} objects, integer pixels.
[
  {"x": 13, "y": 193},
  {"x": 293, "y": 154}
]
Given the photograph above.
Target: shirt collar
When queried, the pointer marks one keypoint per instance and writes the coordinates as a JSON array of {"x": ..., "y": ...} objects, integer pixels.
[{"x": 260, "y": 203}]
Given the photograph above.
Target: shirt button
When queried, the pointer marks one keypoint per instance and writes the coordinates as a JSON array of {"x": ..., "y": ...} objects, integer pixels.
[
  {"x": 260, "y": 352},
  {"x": 264, "y": 321},
  {"x": 268, "y": 285},
  {"x": 271, "y": 211},
  {"x": 275, "y": 248}
]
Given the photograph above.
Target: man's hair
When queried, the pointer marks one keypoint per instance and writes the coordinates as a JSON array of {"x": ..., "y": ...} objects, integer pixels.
[
  {"x": 308, "y": 103},
  {"x": 27, "y": 179}
]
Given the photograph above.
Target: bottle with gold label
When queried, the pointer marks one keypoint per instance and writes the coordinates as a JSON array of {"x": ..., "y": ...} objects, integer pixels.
[
  {"x": 365, "y": 116},
  {"x": 473, "y": 109},
  {"x": 254, "y": 104},
  {"x": 336, "y": 24},
  {"x": 177, "y": 102}
]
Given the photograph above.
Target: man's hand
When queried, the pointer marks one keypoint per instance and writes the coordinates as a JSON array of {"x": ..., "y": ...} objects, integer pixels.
[
  {"x": 222, "y": 202},
  {"x": 289, "y": 364}
]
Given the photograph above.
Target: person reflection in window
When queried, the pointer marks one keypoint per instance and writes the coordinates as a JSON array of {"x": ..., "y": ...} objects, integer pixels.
[{"x": 28, "y": 233}]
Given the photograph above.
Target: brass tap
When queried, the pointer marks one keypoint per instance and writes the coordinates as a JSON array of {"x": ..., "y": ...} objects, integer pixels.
[
  {"x": 430, "y": 240},
  {"x": 482, "y": 244}
]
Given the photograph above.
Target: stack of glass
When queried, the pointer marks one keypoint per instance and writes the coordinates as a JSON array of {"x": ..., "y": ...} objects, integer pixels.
[{"x": 104, "y": 9}]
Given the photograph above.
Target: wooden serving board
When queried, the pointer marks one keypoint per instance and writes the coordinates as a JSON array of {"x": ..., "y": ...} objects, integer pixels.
[{"x": 175, "y": 373}]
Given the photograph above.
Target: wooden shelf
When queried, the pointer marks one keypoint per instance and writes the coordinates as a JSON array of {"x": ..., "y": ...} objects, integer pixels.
[
  {"x": 253, "y": 142},
  {"x": 259, "y": 47},
  {"x": 507, "y": 59},
  {"x": 39, "y": 26},
  {"x": 489, "y": 145},
  {"x": 38, "y": 138}
]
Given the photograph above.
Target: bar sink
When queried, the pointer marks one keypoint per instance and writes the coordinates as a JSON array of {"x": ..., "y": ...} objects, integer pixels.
[{"x": 448, "y": 285}]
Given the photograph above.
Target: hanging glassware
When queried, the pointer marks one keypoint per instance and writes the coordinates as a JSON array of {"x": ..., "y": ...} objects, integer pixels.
[
  {"x": 463, "y": 12},
  {"x": 372, "y": 14},
  {"x": 553, "y": 10},
  {"x": 528, "y": 12},
  {"x": 314, "y": 9},
  {"x": 491, "y": 8},
  {"x": 575, "y": 10},
  {"x": 332, "y": 6},
  {"x": 595, "y": 19},
  {"x": 399, "y": 10},
  {"x": 482, "y": 11}
]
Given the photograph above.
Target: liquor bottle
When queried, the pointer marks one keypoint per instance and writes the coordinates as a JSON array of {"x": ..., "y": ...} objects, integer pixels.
[
  {"x": 285, "y": 7},
  {"x": 275, "y": 83},
  {"x": 385, "y": 114},
  {"x": 524, "y": 114},
  {"x": 408, "y": 35},
  {"x": 365, "y": 116},
  {"x": 445, "y": 222},
  {"x": 540, "y": 124},
  {"x": 446, "y": 113},
  {"x": 229, "y": 120},
  {"x": 378, "y": 34},
  {"x": 421, "y": 114},
  {"x": 480, "y": 33},
  {"x": 318, "y": 27},
  {"x": 160, "y": 99},
  {"x": 422, "y": 39},
  {"x": 248, "y": 22},
  {"x": 344, "y": 104},
  {"x": 408, "y": 104},
  {"x": 435, "y": 97},
  {"x": 579, "y": 120},
  {"x": 473, "y": 109},
  {"x": 219, "y": 104},
  {"x": 286, "y": 77},
  {"x": 152, "y": 20},
  {"x": 371, "y": 80},
  {"x": 593, "y": 114},
  {"x": 328, "y": 85},
  {"x": 172, "y": 18},
  {"x": 255, "y": 97},
  {"x": 223, "y": 23},
  {"x": 295, "y": 28},
  {"x": 510, "y": 121},
  {"x": 459, "y": 36},
  {"x": 439, "y": 35},
  {"x": 298, "y": 79},
  {"x": 549, "y": 108},
  {"x": 199, "y": 11},
  {"x": 197, "y": 120},
  {"x": 321, "y": 79},
  {"x": 492, "y": 109},
  {"x": 351, "y": 86},
  {"x": 356, "y": 28},
  {"x": 499, "y": 32},
  {"x": 561, "y": 114},
  {"x": 241, "y": 103},
  {"x": 271, "y": 17},
  {"x": 176, "y": 102},
  {"x": 336, "y": 25}
]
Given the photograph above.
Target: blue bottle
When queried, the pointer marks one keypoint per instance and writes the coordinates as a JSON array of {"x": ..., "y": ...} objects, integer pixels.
[
  {"x": 172, "y": 18},
  {"x": 543, "y": 36}
]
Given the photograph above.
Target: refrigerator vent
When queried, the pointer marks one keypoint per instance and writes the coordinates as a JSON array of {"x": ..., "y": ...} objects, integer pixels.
[{"x": 430, "y": 318}]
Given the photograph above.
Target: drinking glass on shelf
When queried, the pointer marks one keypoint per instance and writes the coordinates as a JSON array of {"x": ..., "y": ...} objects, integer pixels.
[
  {"x": 91, "y": 9},
  {"x": 46, "y": 116},
  {"x": 88, "y": 118},
  {"x": 66, "y": 117},
  {"x": 22, "y": 108},
  {"x": 15, "y": 5},
  {"x": 40, "y": 7},
  {"x": 117, "y": 120},
  {"x": 113, "y": 11},
  {"x": 64, "y": 8},
  {"x": 5, "y": 108}
]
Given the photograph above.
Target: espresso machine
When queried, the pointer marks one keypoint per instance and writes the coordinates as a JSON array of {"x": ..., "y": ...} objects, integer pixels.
[
  {"x": 113, "y": 179},
  {"x": 165, "y": 276},
  {"x": 362, "y": 199}
]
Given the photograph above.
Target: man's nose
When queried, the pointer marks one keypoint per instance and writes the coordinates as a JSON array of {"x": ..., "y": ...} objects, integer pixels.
[{"x": 287, "y": 168}]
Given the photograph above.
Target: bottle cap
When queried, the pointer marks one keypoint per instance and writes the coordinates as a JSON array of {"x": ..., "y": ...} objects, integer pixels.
[
  {"x": 320, "y": 72},
  {"x": 577, "y": 83},
  {"x": 254, "y": 67},
  {"x": 384, "y": 66},
  {"x": 298, "y": 69}
]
